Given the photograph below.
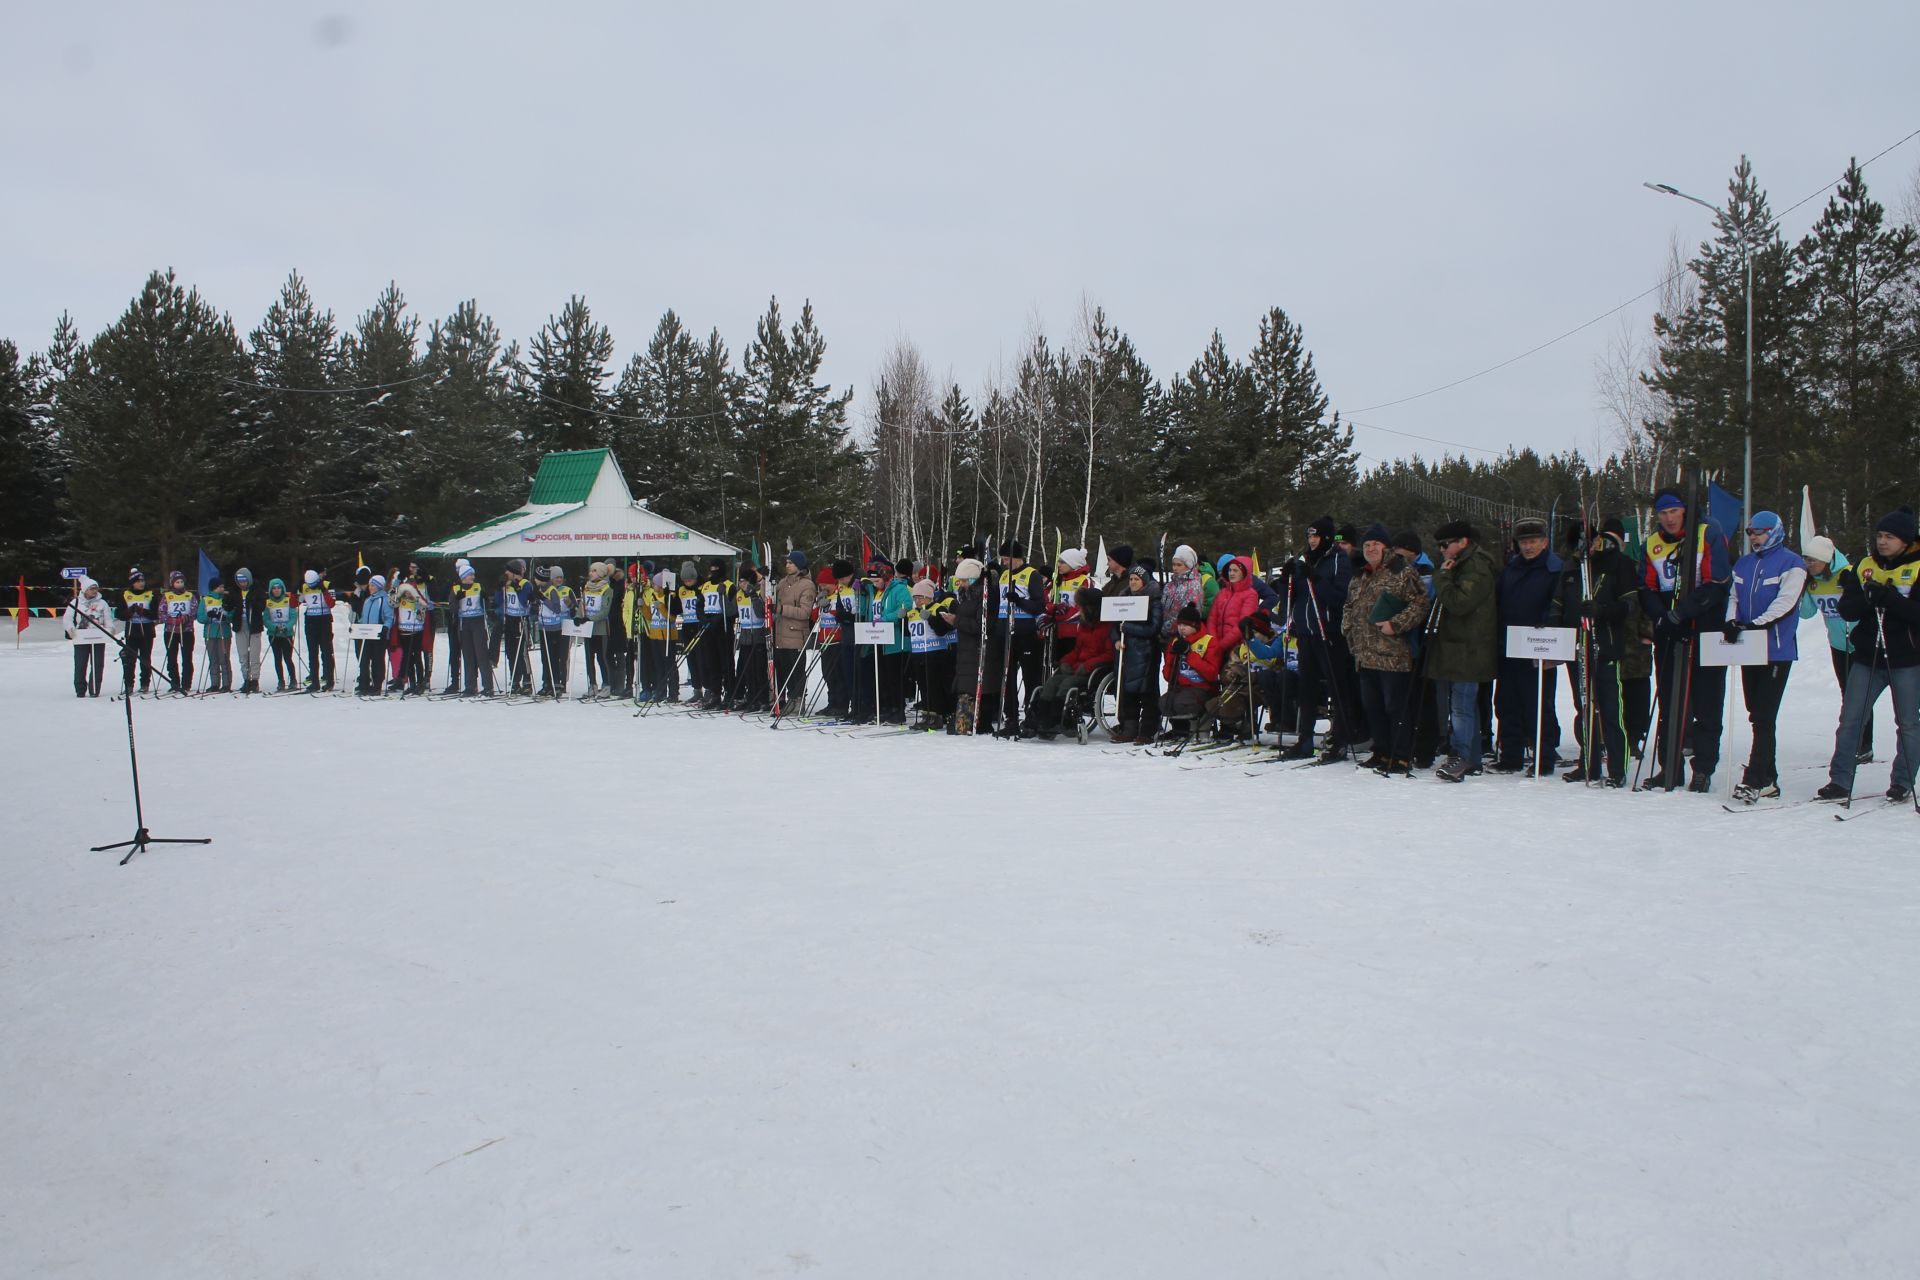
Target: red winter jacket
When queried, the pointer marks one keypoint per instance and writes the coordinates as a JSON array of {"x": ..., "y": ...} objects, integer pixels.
[
  {"x": 1199, "y": 667},
  {"x": 1236, "y": 600},
  {"x": 1092, "y": 647}
]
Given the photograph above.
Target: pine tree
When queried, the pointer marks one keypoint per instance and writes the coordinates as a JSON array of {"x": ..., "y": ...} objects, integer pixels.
[
  {"x": 30, "y": 477},
  {"x": 308, "y": 470},
  {"x": 464, "y": 461},
  {"x": 155, "y": 416},
  {"x": 1703, "y": 352},
  {"x": 1858, "y": 275},
  {"x": 1113, "y": 411},
  {"x": 798, "y": 470},
  {"x": 1306, "y": 455},
  {"x": 565, "y": 387},
  {"x": 672, "y": 438},
  {"x": 382, "y": 356},
  {"x": 1210, "y": 453}
]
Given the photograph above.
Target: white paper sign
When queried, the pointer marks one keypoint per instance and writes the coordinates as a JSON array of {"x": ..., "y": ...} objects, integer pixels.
[
  {"x": 89, "y": 635},
  {"x": 578, "y": 630},
  {"x": 74, "y": 571},
  {"x": 365, "y": 630},
  {"x": 1541, "y": 644},
  {"x": 1125, "y": 609},
  {"x": 1750, "y": 650},
  {"x": 873, "y": 633}
]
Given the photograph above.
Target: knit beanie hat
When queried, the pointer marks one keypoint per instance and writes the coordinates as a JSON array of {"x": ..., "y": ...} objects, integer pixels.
[
  {"x": 1614, "y": 527},
  {"x": 1189, "y": 616},
  {"x": 1184, "y": 554},
  {"x": 1324, "y": 527},
  {"x": 903, "y": 568},
  {"x": 1377, "y": 532},
  {"x": 243, "y": 576},
  {"x": 379, "y": 583},
  {"x": 842, "y": 570},
  {"x": 1821, "y": 549},
  {"x": 1668, "y": 501},
  {"x": 1014, "y": 549},
  {"x": 311, "y": 578},
  {"x": 1900, "y": 524},
  {"x": 1074, "y": 558},
  {"x": 688, "y": 571},
  {"x": 1121, "y": 554},
  {"x": 826, "y": 578},
  {"x": 799, "y": 559},
  {"x": 516, "y": 566},
  {"x": 556, "y": 574},
  {"x": 134, "y": 575},
  {"x": 969, "y": 569},
  {"x": 923, "y": 590},
  {"x": 1344, "y": 534}
]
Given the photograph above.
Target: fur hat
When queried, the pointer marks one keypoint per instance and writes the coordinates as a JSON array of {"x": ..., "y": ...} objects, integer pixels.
[
  {"x": 1529, "y": 528},
  {"x": 1454, "y": 529},
  {"x": 1408, "y": 541}
]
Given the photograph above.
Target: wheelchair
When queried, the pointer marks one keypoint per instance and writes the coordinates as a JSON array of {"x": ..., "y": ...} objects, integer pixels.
[{"x": 1096, "y": 707}]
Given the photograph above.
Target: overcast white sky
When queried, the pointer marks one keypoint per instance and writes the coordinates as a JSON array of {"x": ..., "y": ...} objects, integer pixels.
[{"x": 1427, "y": 188}]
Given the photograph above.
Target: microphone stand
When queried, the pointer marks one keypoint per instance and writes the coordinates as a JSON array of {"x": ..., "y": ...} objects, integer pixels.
[{"x": 141, "y": 838}]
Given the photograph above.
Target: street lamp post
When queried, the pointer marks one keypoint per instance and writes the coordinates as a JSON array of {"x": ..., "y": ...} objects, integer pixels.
[{"x": 1746, "y": 251}]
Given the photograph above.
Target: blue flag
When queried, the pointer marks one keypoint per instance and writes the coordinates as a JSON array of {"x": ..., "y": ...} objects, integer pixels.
[
  {"x": 1723, "y": 509},
  {"x": 208, "y": 571}
]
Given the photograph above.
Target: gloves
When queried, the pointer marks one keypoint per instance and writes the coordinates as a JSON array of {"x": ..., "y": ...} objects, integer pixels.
[
  {"x": 1731, "y": 632},
  {"x": 1848, "y": 579},
  {"x": 1589, "y": 608},
  {"x": 1669, "y": 628},
  {"x": 1179, "y": 648}
]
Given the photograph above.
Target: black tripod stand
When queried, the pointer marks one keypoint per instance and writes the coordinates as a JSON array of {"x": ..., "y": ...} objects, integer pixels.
[{"x": 140, "y": 839}]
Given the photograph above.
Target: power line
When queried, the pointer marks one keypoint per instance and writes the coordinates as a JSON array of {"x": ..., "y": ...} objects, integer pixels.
[{"x": 1612, "y": 311}]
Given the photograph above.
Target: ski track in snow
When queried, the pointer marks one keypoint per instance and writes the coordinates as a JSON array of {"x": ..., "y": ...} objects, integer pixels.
[{"x": 551, "y": 991}]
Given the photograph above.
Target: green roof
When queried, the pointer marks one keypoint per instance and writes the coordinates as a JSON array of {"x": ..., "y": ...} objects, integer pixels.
[{"x": 566, "y": 477}]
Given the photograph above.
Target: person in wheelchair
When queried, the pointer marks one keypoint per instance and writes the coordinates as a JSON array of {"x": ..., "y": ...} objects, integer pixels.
[{"x": 1091, "y": 654}]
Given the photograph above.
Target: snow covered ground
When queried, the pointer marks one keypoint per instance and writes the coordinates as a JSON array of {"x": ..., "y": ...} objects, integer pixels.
[{"x": 465, "y": 990}]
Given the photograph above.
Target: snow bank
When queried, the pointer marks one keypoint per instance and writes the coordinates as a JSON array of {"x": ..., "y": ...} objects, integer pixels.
[{"x": 481, "y": 990}]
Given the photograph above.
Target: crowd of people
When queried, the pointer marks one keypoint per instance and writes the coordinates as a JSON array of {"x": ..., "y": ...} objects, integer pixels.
[{"x": 1398, "y": 650}]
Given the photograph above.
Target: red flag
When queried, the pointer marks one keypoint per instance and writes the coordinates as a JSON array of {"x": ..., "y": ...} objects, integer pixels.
[
  {"x": 866, "y": 554},
  {"x": 20, "y": 618}
]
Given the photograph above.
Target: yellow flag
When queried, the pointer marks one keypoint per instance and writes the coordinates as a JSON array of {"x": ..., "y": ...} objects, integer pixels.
[
  {"x": 1256, "y": 564},
  {"x": 359, "y": 561}
]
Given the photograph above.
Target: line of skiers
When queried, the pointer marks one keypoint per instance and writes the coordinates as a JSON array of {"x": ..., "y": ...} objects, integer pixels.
[{"x": 1397, "y": 653}]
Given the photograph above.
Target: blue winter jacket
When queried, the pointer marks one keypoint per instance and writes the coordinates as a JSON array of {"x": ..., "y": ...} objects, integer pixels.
[
  {"x": 1141, "y": 661},
  {"x": 1757, "y": 582},
  {"x": 1527, "y": 588},
  {"x": 376, "y": 608}
]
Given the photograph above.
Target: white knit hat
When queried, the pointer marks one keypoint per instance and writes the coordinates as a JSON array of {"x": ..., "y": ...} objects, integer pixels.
[
  {"x": 1187, "y": 554},
  {"x": 1074, "y": 557},
  {"x": 1821, "y": 549},
  {"x": 969, "y": 569}
]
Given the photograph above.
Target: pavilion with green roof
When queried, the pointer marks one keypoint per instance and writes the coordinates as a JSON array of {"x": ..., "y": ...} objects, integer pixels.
[{"x": 579, "y": 508}]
